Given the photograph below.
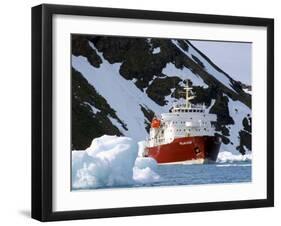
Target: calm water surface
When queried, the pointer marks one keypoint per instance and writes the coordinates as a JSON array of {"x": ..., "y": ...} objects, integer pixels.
[
  {"x": 180, "y": 174},
  {"x": 203, "y": 174}
]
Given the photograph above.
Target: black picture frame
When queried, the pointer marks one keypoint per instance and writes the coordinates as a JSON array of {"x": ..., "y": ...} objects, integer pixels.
[{"x": 42, "y": 111}]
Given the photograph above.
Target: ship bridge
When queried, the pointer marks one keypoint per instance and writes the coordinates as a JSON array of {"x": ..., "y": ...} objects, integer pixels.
[{"x": 191, "y": 108}]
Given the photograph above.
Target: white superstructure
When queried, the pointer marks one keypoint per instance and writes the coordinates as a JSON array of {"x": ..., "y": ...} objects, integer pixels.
[{"x": 184, "y": 120}]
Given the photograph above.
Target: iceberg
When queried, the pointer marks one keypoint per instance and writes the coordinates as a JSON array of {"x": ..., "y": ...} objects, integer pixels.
[{"x": 111, "y": 161}]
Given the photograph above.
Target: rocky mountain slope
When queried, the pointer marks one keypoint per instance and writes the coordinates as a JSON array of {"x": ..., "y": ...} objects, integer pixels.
[{"x": 120, "y": 83}]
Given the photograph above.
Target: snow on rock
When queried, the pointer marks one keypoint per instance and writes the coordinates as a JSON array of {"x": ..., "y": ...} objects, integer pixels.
[
  {"x": 124, "y": 98},
  {"x": 94, "y": 109},
  {"x": 156, "y": 50},
  {"x": 247, "y": 91},
  {"x": 117, "y": 124},
  {"x": 238, "y": 111},
  {"x": 228, "y": 157},
  {"x": 208, "y": 67},
  {"x": 185, "y": 73},
  {"x": 111, "y": 161}
]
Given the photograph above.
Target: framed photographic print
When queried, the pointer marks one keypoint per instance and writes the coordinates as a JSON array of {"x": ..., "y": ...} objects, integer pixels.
[{"x": 147, "y": 112}]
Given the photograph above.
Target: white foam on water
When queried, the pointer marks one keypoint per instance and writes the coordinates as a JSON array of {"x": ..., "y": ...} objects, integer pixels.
[
  {"x": 228, "y": 165},
  {"x": 111, "y": 161},
  {"x": 228, "y": 157}
]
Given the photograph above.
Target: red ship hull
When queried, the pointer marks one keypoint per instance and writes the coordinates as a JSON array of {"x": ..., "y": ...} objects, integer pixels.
[{"x": 200, "y": 149}]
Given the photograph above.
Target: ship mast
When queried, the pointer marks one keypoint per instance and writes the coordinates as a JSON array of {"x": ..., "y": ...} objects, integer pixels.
[{"x": 187, "y": 96}]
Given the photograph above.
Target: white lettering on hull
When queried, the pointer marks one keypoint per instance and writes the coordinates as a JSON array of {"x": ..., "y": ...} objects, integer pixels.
[{"x": 185, "y": 143}]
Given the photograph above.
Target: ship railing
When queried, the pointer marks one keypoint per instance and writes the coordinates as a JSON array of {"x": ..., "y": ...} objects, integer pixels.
[
  {"x": 156, "y": 139},
  {"x": 188, "y": 110},
  {"x": 183, "y": 105}
]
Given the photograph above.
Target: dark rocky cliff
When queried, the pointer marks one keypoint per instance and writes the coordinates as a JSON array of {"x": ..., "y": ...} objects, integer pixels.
[{"x": 140, "y": 64}]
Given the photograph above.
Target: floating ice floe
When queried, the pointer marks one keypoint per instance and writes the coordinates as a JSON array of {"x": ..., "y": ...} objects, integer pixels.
[{"x": 111, "y": 161}]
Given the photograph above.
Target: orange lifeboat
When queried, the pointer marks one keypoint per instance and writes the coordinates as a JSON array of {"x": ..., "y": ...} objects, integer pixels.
[{"x": 155, "y": 123}]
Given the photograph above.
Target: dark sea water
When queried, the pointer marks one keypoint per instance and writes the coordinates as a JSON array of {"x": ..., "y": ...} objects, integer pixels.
[{"x": 202, "y": 174}]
